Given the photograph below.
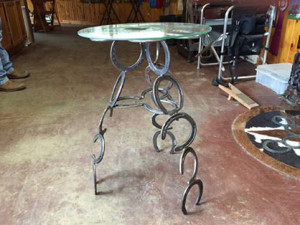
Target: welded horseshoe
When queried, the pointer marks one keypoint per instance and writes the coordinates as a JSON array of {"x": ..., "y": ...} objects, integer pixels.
[
  {"x": 172, "y": 151},
  {"x": 147, "y": 106},
  {"x": 157, "y": 52},
  {"x": 121, "y": 81},
  {"x": 101, "y": 130},
  {"x": 182, "y": 160},
  {"x": 160, "y": 65},
  {"x": 165, "y": 95},
  {"x": 126, "y": 68},
  {"x": 149, "y": 81},
  {"x": 156, "y": 123},
  {"x": 99, "y": 159},
  {"x": 149, "y": 90},
  {"x": 102, "y": 148},
  {"x": 186, "y": 192},
  {"x": 157, "y": 99},
  {"x": 166, "y": 67},
  {"x": 178, "y": 116},
  {"x": 95, "y": 178}
]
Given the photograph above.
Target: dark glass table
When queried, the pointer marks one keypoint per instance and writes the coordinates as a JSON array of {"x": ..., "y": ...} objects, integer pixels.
[{"x": 144, "y": 34}]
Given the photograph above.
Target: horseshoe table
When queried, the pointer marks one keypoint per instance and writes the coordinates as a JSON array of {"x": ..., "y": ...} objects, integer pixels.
[{"x": 144, "y": 34}]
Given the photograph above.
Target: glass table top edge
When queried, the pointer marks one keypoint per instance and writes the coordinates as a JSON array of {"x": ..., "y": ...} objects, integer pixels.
[{"x": 144, "y": 32}]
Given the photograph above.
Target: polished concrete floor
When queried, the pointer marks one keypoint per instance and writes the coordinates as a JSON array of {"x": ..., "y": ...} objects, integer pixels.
[{"x": 46, "y": 147}]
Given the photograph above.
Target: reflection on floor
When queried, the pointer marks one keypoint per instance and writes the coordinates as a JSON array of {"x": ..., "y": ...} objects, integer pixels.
[{"x": 46, "y": 147}]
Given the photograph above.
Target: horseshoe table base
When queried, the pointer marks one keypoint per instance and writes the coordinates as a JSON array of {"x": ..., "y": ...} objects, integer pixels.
[{"x": 161, "y": 97}]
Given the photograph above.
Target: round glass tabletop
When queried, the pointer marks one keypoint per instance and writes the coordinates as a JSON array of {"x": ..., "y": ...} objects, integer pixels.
[{"x": 144, "y": 31}]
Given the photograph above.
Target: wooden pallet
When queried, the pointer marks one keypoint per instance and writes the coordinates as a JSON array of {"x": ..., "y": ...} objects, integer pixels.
[{"x": 236, "y": 94}]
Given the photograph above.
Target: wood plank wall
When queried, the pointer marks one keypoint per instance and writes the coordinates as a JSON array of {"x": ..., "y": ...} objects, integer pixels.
[
  {"x": 14, "y": 34},
  {"x": 288, "y": 42},
  {"x": 76, "y": 12}
]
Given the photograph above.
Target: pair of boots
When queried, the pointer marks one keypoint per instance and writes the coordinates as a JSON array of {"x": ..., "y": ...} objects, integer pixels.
[{"x": 12, "y": 85}]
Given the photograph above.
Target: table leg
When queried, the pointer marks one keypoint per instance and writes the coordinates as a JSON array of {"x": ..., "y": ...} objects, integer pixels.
[
  {"x": 164, "y": 74},
  {"x": 160, "y": 96}
]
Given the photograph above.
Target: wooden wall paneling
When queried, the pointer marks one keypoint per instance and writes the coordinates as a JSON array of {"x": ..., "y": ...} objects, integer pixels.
[
  {"x": 145, "y": 11},
  {"x": 21, "y": 19},
  {"x": 76, "y": 12},
  {"x": 287, "y": 36},
  {"x": 71, "y": 10},
  {"x": 74, "y": 6},
  {"x": 66, "y": 10},
  {"x": 174, "y": 8},
  {"x": 122, "y": 10},
  {"x": 294, "y": 42},
  {"x": 14, "y": 22},
  {"x": 79, "y": 12},
  {"x": 150, "y": 14},
  {"x": 156, "y": 13},
  {"x": 95, "y": 13},
  {"x": 86, "y": 12},
  {"x": 7, "y": 41},
  {"x": 59, "y": 10},
  {"x": 125, "y": 9},
  {"x": 288, "y": 42},
  {"x": 62, "y": 10},
  {"x": 99, "y": 12},
  {"x": 118, "y": 10},
  {"x": 91, "y": 10},
  {"x": 14, "y": 33}
]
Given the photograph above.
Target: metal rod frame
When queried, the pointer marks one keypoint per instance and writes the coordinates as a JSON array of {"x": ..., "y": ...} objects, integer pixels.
[
  {"x": 159, "y": 95},
  {"x": 135, "y": 13},
  {"x": 108, "y": 5},
  {"x": 200, "y": 38},
  {"x": 210, "y": 46}
]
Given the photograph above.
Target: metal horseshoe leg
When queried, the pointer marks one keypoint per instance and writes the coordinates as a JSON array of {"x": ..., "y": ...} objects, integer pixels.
[
  {"x": 161, "y": 97},
  {"x": 193, "y": 181},
  {"x": 177, "y": 117},
  {"x": 174, "y": 115}
]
